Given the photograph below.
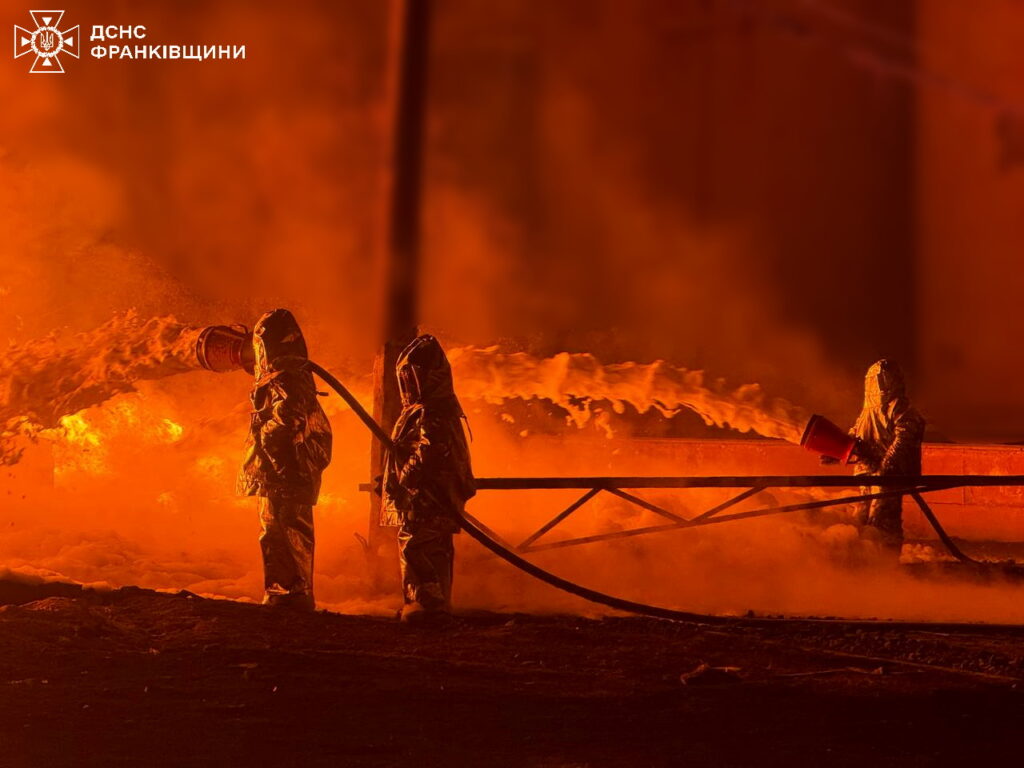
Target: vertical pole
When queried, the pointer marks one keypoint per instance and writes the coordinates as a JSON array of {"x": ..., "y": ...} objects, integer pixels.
[{"x": 408, "y": 50}]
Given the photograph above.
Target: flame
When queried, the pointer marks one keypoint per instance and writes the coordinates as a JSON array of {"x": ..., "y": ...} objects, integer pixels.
[
  {"x": 43, "y": 381},
  {"x": 78, "y": 431},
  {"x": 575, "y": 381},
  {"x": 141, "y": 491},
  {"x": 82, "y": 441},
  {"x": 173, "y": 432},
  {"x": 80, "y": 446}
]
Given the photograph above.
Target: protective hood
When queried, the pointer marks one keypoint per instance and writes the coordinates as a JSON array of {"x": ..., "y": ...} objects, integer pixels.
[
  {"x": 276, "y": 339},
  {"x": 883, "y": 384},
  {"x": 424, "y": 374}
]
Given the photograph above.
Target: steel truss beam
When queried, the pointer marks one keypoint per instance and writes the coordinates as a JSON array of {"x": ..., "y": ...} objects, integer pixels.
[
  {"x": 913, "y": 486},
  {"x": 711, "y": 517},
  {"x": 742, "y": 481}
]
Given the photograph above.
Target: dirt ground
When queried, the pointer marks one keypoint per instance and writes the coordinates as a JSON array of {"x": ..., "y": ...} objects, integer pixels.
[{"x": 135, "y": 678}]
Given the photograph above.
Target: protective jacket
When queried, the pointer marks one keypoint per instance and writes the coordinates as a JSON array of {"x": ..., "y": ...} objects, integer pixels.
[
  {"x": 289, "y": 441},
  {"x": 889, "y": 433},
  {"x": 889, "y": 430},
  {"x": 428, "y": 476}
]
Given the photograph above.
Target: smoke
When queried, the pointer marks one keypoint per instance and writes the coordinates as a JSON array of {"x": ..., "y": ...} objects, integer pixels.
[
  {"x": 140, "y": 491},
  {"x": 806, "y": 563},
  {"x": 582, "y": 211},
  {"x": 560, "y": 218}
]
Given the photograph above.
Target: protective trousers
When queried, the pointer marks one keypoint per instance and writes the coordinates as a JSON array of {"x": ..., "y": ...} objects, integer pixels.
[
  {"x": 287, "y": 545},
  {"x": 427, "y": 558},
  {"x": 884, "y": 515}
]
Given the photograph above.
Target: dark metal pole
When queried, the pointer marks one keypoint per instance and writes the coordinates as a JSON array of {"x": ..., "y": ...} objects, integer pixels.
[{"x": 409, "y": 46}]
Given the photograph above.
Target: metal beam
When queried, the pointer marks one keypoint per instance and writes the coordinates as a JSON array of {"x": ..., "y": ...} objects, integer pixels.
[
  {"x": 702, "y": 520},
  {"x": 525, "y": 544},
  {"x": 912, "y": 486},
  {"x": 742, "y": 481},
  {"x": 729, "y": 503},
  {"x": 644, "y": 504},
  {"x": 739, "y": 481}
]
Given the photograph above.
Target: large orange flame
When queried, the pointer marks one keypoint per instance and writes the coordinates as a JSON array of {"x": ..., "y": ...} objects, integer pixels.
[{"x": 45, "y": 380}]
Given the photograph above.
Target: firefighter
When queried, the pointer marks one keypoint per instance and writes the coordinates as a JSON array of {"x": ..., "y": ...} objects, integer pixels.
[
  {"x": 427, "y": 479},
  {"x": 889, "y": 433},
  {"x": 287, "y": 449}
]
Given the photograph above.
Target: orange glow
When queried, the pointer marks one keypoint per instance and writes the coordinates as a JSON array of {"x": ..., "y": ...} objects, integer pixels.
[
  {"x": 143, "y": 494},
  {"x": 589, "y": 243}
]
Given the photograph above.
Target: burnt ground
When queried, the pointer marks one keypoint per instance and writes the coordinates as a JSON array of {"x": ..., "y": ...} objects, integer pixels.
[{"x": 134, "y": 678}]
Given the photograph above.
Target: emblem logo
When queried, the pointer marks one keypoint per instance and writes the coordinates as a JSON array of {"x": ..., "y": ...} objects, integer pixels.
[{"x": 47, "y": 42}]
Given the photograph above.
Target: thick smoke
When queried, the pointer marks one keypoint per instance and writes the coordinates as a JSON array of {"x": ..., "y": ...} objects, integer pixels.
[
  {"x": 560, "y": 216},
  {"x": 140, "y": 491}
]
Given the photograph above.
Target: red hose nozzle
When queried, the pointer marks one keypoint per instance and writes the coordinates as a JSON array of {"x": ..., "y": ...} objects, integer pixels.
[{"x": 823, "y": 437}]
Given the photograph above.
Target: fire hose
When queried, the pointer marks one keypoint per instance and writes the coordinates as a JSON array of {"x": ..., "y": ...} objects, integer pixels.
[
  {"x": 222, "y": 348},
  {"x": 226, "y": 348},
  {"x": 352, "y": 403},
  {"x": 486, "y": 538},
  {"x": 491, "y": 541}
]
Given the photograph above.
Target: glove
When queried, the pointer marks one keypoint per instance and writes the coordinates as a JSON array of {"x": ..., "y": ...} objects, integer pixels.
[{"x": 827, "y": 460}]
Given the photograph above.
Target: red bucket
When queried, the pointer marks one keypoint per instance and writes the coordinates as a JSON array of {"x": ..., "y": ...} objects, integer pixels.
[
  {"x": 824, "y": 437},
  {"x": 223, "y": 348}
]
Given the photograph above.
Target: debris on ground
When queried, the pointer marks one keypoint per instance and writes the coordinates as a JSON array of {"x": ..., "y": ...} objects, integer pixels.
[{"x": 704, "y": 674}]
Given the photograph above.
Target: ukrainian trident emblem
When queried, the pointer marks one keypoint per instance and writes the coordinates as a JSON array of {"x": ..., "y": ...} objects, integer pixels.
[{"x": 47, "y": 41}]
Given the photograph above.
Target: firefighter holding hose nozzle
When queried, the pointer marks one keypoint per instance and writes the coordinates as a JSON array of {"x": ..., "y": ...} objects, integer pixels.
[
  {"x": 287, "y": 449},
  {"x": 889, "y": 433},
  {"x": 427, "y": 479}
]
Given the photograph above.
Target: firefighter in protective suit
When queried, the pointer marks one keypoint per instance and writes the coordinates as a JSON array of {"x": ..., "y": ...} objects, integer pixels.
[
  {"x": 427, "y": 479},
  {"x": 287, "y": 449},
  {"x": 889, "y": 433}
]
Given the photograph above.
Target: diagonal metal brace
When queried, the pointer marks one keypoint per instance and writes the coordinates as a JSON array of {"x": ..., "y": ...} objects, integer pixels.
[
  {"x": 726, "y": 504},
  {"x": 707, "y": 520},
  {"x": 643, "y": 503},
  {"x": 525, "y": 544},
  {"x": 944, "y": 537}
]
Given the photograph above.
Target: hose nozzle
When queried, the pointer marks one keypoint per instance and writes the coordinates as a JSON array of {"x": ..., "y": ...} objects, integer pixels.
[{"x": 223, "y": 348}]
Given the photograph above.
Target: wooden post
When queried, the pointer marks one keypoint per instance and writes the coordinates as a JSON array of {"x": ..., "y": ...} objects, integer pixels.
[{"x": 408, "y": 71}]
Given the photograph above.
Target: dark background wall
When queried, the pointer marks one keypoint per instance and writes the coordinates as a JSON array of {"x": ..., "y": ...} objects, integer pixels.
[
  {"x": 970, "y": 217},
  {"x": 715, "y": 183}
]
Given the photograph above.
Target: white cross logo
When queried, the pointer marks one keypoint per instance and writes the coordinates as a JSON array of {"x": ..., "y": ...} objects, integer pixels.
[{"x": 47, "y": 42}]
